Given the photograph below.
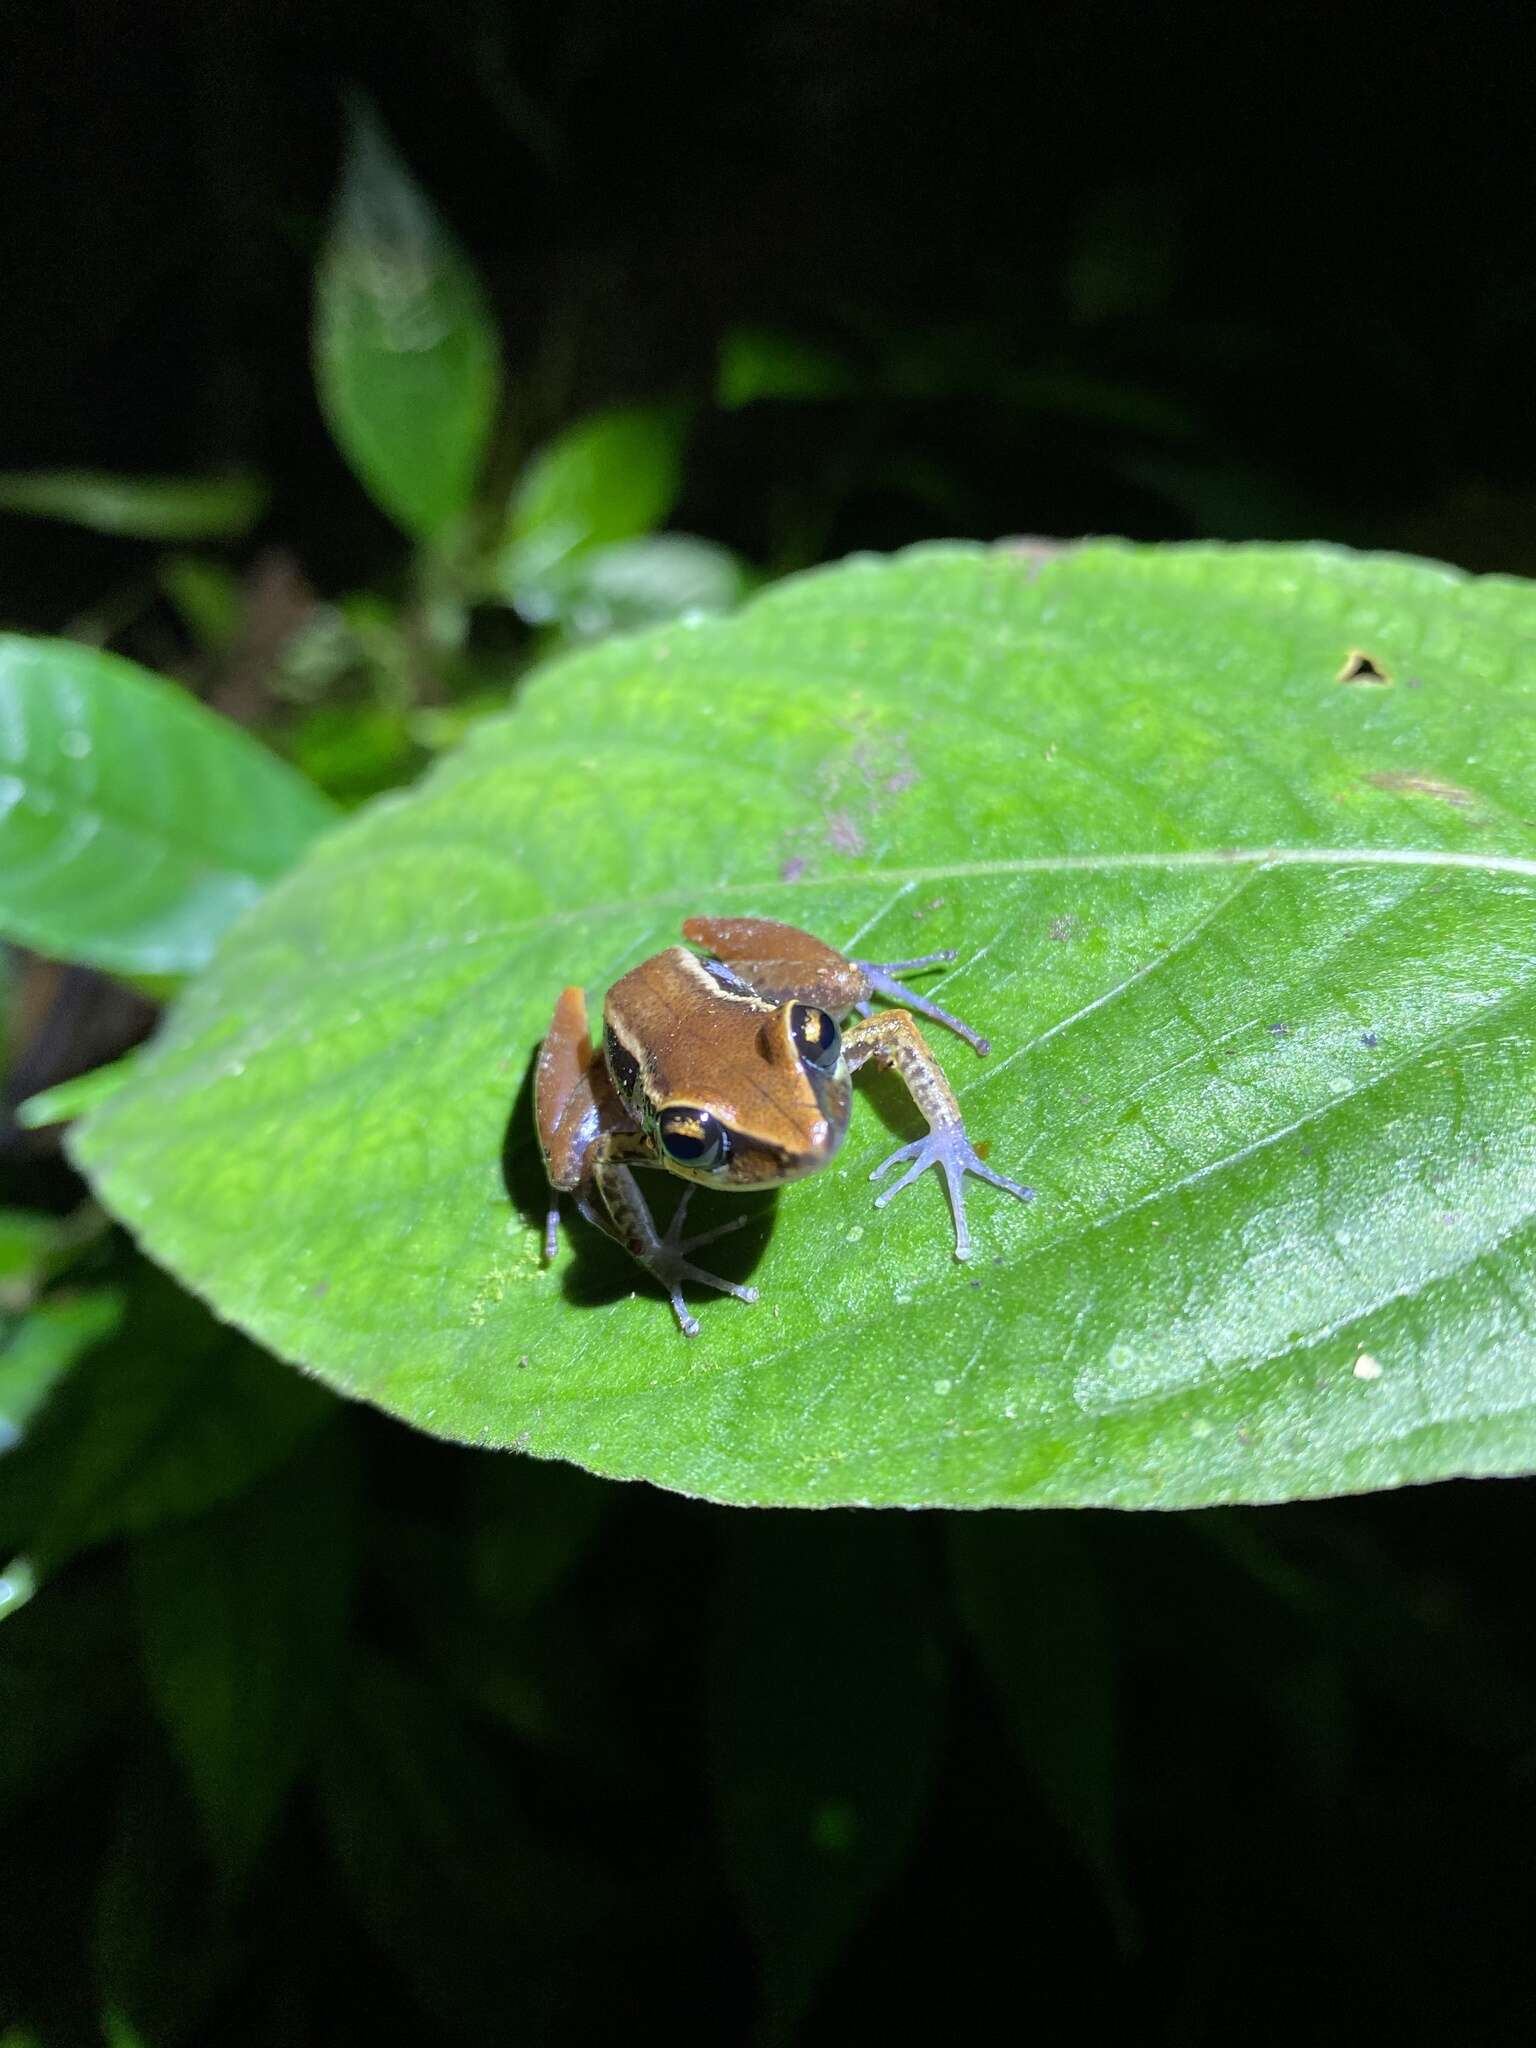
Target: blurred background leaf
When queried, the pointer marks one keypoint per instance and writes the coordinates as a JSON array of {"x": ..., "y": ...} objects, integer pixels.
[
  {"x": 40, "y": 1345},
  {"x": 1030, "y": 1593},
  {"x": 139, "y": 507},
  {"x": 407, "y": 357},
  {"x": 608, "y": 478},
  {"x": 170, "y": 1415},
  {"x": 136, "y": 825},
  {"x": 826, "y": 1692},
  {"x": 244, "y": 1620}
]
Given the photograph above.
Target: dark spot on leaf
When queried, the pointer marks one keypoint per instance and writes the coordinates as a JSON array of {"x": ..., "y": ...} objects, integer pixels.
[
  {"x": 1061, "y": 930},
  {"x": 843, "y": 835},
  {"x": 902, "y": 780},
  {"x": 1369, "y": 1038},
  {"x": 983, "y": 1147},
  {"x": 1424, "y": 785},
  {"x": 1360, "y": 667},
  {"x": 792, "y": 869},
  {"x": 1279, "y": 1030}
]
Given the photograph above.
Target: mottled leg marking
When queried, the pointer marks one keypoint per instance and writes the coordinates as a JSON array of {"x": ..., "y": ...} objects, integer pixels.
[
  {"x": 881, "y": 979},
  {"x": 895, "y": 1041},
  {"x": 664, "y": 1256}
]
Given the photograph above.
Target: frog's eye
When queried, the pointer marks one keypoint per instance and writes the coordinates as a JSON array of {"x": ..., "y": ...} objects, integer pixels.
[
  {"x": 816, "y": 1037},
  {"x": 694, "y": 1138}
]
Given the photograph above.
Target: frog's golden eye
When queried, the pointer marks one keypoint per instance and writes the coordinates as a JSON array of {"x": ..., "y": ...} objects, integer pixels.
[
  {"x": 694, "y": 1138},
  {"x": 816, "y": 1037}
]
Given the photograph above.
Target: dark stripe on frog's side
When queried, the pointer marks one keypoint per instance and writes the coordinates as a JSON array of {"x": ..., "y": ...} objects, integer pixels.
[{"x": 622, "y": 1065}]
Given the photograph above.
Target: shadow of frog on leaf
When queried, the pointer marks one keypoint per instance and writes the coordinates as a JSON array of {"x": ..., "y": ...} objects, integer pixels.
[{"x": 601, "y": 1270}]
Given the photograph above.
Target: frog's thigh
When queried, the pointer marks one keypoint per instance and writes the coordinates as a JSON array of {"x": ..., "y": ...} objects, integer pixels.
[
  {"x": 613, "y": 1156},
  {"x": 780, "y": 962},
  {"x": 561, "y": 1076}
]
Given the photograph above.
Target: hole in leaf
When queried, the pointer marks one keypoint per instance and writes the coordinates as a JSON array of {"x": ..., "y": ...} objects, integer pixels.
[{"x": 1362, "y": 668}]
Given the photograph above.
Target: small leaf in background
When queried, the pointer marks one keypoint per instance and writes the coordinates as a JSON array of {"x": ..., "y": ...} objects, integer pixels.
[
  {"x": 825, "y": 1712},
  {"x": 638, "y": 583},
  {"x": 72, "y": 1098},
  {"x": 355, "y": 751},
  {"x": 1252, "y": 944},
  {"x": 407, "y": 355},
  {"x": 1031, "y": 1595},
  {"x": 169, "y": 1416},
  {"x": 35, "y": 1248},
  {"x": 611, "y": 477},
  {"x": 760, "y": 362},
  {"x": 134, "y": 824},
  {"x": 208, "y": 597},
  {"x": 40, "y": 1347},
  {"x": 243, "y": 1617},
  {"x": 139, "y": 507}
]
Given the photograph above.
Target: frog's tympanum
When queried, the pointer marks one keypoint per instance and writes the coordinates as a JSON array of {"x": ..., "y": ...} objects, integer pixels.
[{"x": 733, "y": 1072}]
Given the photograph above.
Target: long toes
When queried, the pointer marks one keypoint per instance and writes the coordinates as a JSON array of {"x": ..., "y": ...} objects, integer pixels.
[
  {"x": 954, "y": 1182},
  {"x": 998, "y": 1180},
  {"x": 709, "y": 1236},
  {"x": 686, "y": 1323},
  {"x": 903, "y": 1152},
  {"x": 722, "y": 1286},
  {"x": 912, "y": 1173},
  {"x": 674, "y": 1229}
]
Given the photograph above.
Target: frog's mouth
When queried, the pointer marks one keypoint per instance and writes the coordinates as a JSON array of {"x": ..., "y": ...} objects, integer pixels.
[{"x": 755, "y": 1163}]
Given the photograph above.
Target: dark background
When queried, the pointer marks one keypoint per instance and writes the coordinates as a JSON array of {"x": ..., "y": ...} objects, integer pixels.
[{"x": 1157, "y": 272}]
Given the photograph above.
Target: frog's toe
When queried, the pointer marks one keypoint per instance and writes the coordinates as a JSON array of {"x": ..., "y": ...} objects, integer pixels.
[
  {"x": 952, "y": 1152},
  {"x": 672, "y": 1272},
  {"x": 669, "y": 1263}
]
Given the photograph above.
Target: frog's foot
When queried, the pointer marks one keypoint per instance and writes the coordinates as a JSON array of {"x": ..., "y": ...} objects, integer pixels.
[
  {"x": 667, "y": 1261},
  {"x": 947, "y": 1147},
  {"x": 881, "y": 977}
]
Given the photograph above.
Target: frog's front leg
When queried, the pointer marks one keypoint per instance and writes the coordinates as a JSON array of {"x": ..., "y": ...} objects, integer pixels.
[
  {"x": 893, "y": 1040},
  {"x": 664, "y": 1255}
]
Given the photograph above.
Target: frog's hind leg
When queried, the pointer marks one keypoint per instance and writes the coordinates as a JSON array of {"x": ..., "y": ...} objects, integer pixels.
[
  {"x": 573, "y": 1099},
  {"x": 881, "y": 977},
  {"x": 664, "y": 1254}
]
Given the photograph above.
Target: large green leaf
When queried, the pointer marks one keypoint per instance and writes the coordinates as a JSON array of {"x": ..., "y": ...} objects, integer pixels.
[
  {"x": 1237, "y": 850},
  {"x": 407, "y": 356},
  {"x": 134, "y": 825}
]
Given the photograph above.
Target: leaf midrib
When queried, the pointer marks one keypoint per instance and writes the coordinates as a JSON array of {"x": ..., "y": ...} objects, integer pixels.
[{"x": 1259, "y": 858}]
